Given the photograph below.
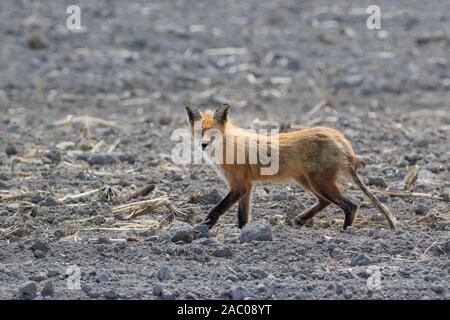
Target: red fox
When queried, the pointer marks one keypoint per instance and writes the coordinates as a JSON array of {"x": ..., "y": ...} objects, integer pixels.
[{"x": 316, "y": 158}]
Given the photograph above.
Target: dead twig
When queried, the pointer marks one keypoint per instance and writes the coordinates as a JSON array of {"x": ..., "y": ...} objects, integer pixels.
[
  {"x": 398, "y": 193},
  {"x": 141, "y": 192}
]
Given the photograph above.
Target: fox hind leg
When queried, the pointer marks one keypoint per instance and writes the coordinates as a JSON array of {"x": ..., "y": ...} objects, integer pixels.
[
  {"x": 308, "y": 214},
  {"x": 331, "y": 192}
]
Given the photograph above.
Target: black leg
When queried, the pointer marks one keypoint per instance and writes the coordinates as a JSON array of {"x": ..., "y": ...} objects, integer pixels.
[
  {"x": 303, "y": 217},
  {"x": 232, "y": 197},
  {"x": 244, "y": 209}
]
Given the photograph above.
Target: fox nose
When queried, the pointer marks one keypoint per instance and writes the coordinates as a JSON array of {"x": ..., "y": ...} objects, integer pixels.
[{"x": 204, "y": 145}]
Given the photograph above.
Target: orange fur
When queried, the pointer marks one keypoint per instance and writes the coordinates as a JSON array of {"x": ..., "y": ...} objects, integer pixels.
[{"x": 316, "y": 158}]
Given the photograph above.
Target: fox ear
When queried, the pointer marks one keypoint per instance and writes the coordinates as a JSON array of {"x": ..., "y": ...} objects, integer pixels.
[
  {"x": 221, "y": 114},
  {"x": 192, "y": 112}
]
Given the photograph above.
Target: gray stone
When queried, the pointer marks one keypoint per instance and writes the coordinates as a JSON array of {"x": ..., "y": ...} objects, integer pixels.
[
  {"x": 58, "y": 234},
  {"x": 223, "y": 252},
  {"x": 29, "y": 289},
  {"x": 163, "y": 273},
  {"x": 238, "y": 293},
  {"x": 360, "y": 260},
  {"x": 39, "y": 254},
  {"x": 102, "y": 278},
  {"x": 181, "y": 231},
  {"x": 48, "y": 289},
  {"x": 100, "y": 158},
  {"x": 255, "y": 231},
  {"x": 157, "y": 290},
  {"x": 50, "y": 202},
  {"x": 201, "y": 231},
  {"x": 420, "y": 208},
  {"x": 167, "y": 295},
  {"x": 337, "y": 253},
  {"x": 110, "y": 294},
  {"x": 40, "y": 245},
  {"x": 377, "y": 181}
]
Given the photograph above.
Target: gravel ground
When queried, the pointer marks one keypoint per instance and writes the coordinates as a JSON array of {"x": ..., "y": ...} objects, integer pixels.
[{"x": 133, "y": 64}]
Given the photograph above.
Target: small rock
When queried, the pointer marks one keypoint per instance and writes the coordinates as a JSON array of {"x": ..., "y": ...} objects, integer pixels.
[
  {"x": 39, "y": 254},
  {"x": 29, "y": 289},
  {"x": 100, "y": 158},
  {"x": 103, "y": 240},
  {"x": 10, "y": 150},
  {"x": 12, "y": 206},
  {"x": 301, "y": 296},
  {"x": 102, "y": 278},
  {"x": 377, "y": 181},
  {"x": 58, "y": 233},
  {"x": 48, "y": 289},
  {"x": 157, "y": 290},
  {"x": 5, "y": 177},
  {"x": 52, "y": 273},
  {"x": 167, "y": 295},
  {"x": 238, "y": 293},
  {"x": 420, "y": 208},
  {"x": 360, "y": 260},
  {"x": 255, "y": 231},
  {"x": 348, "y": 294},
  {"x": 223, "y": 252},
  {"x": 163, "y": 273},
  {"x": 53, "y": 154},
  {"x": 337, "y": 253},
  {"x": 201, "y": 231},
  {"x": 339, "y": 288},
  {"x": 439, "y": 289},
  {"x": 110, "y": 294},
  {"x": 50, "y": 202},
  {"x": 36, "y": 198},
  {"x": 40, "y": 245},
  {"x": 35, "y": 42},
  {"x": 38, "y": 277},
  {"x": 181, "y": 231}
]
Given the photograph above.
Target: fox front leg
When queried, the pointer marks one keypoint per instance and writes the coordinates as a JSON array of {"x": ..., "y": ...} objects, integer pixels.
[{"x": 232, "y": 197}]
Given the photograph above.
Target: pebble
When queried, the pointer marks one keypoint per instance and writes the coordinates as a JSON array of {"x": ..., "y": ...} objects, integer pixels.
[
  {"x": 238, "y": 293},
  {"x": 157, "y": 290},
  {"x": 377, "y": 181},
  {"x": 29, "y": 289},
  {"x": 100, "y": 158},
  {"x": 58, "y": 233},
  {"x": 102, "y": 278},
  {"x": 181, "y": 231},
  {"x": 255, "y": 231},
  {"x": 52, "y": 273},
  {"x": 40, "y": 245},
  {"x": 50, "y": 202},
  {"x": 167, "y": 295},
  {"x": 48, "y": 289},
  {"x": 10, "y": 150},
  {"x": 35, "y": 42},
  {"x": 420, "y": 208},
  {"x": 163, "y": 273},
  {"x": 110, "y": 294},
  {"x": 201, "y": 231},
  {"x": 360, "y": 260},
  {"x": 223, "y": 252}
]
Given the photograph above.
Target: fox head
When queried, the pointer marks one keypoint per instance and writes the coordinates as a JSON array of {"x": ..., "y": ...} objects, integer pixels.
[{"x": 211, "y": 123}]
